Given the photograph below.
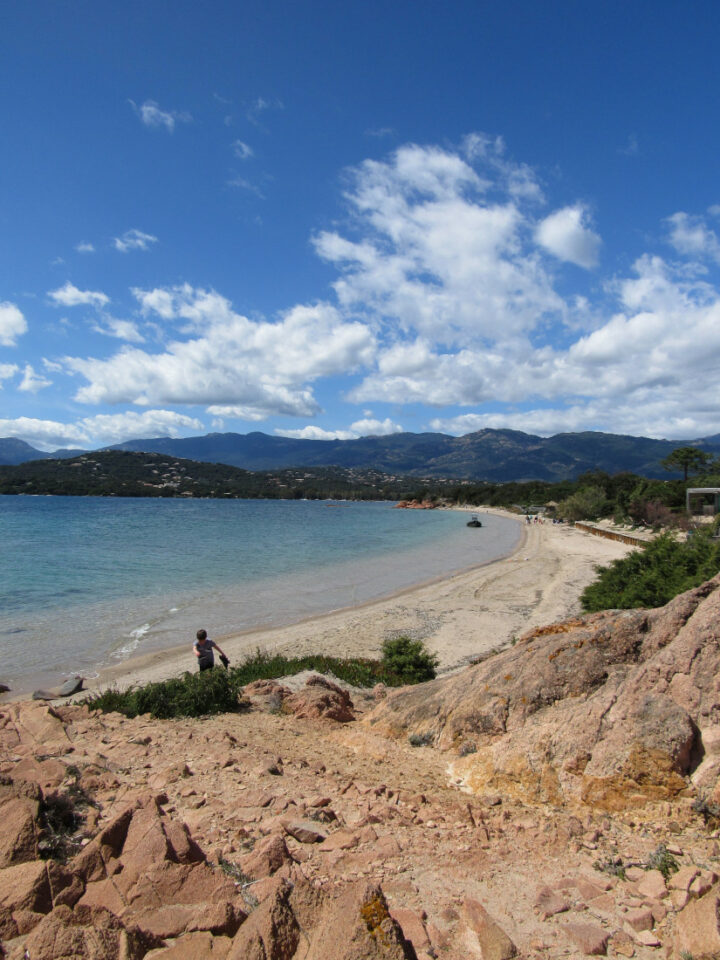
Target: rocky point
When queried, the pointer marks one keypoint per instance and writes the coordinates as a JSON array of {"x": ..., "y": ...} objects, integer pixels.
[{"x": 562, "y": 801}]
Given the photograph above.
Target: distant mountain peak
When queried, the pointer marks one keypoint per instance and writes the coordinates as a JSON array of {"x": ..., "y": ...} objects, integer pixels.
[{"x": 496, "y": 456}]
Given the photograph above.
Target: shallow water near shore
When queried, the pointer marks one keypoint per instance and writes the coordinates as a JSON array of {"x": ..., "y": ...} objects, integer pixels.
[{"x": 86, "y": 582}]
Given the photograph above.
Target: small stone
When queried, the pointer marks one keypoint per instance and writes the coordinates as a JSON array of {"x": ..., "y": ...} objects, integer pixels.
[
  {"x": 548, "y": 903},
  {"x": 304, "y": 831},
  {"x": 588, "y": 890},
  {"x": 647, "y": 938},
  {"x": 683, "y": 878},
  {"x": 679, "y": 898},
  {"x": 413, "y": 927},
  {"x": 653, "y": 885},
  {"x": 640, "y": 919},
  {"x": 622, "y": 944},
  {"x": 699, "y": 887},
  {"x": 588, "y": 938}
]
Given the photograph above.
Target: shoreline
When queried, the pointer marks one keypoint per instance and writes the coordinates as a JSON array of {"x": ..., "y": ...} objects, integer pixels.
[
  {"x": 460, "y": 616},
  {"x": 256, "y": 567}
]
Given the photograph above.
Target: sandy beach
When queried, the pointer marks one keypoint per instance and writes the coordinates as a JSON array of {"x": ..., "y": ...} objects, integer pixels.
[{"x": 459, "y": 617}]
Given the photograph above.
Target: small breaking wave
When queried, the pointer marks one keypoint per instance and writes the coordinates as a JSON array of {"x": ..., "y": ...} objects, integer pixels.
[{"x": 135, "y": 637}]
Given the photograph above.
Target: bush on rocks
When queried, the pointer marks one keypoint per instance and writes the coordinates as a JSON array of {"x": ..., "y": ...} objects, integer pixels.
[{"x": 191, "y": 695}]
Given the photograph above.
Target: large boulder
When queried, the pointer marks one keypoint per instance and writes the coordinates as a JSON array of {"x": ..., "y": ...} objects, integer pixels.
[
  {"x": 350, "y": 922},
  {"x": 62, "y": 935},
  {"x": 697, "y": 927},
  {"x": 354, "y": 923},
  {"x": 272, "y": 930},
  {"x": 23, "y": 887},
  {"x": 610, "y": 709},
  {"x": 19, "y": 829},
  {"x": 320, "y": 698}
]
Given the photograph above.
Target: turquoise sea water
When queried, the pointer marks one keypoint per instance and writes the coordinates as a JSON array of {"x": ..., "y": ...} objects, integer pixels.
[{"x": 88, "y": 581}]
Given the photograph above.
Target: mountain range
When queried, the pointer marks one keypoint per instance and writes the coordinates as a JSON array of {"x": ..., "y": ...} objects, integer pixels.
[{"x": 490, "y": 455}]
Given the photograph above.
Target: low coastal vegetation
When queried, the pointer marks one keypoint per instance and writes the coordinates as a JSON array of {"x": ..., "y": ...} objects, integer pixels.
[
  {"x": 625, "y": 498},
  {"x": 652, "y": 576},
  {"x": 191, "y": 695},
  {"x": 403, "y": 661}
]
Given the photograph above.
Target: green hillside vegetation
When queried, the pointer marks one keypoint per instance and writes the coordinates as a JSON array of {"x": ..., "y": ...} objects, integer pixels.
[
  {"x": 483, "y": 456},
  {"x": 626, "y": 497},
  {"x": 128, "y": 474}
]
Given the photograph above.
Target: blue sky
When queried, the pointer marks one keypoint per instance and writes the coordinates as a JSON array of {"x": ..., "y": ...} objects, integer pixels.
[{"x": 340, "y": 219}]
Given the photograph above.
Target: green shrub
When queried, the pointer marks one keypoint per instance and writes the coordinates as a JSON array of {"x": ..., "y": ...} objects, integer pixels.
[
  {"x": 403, "y": 661},
  {"x": 218, "y": 691},
  {"x": 654, "y": 575},
  {"x": 408, "y": 661},
  {"x": 661, "y": 859},
  {"x": 191, "y": 695},
  {"x": 588, "y": 503},
  {"x": 709, "y": 811},
  {"x": 263, "y": 666},
  {"x": 421, "y": 739}
]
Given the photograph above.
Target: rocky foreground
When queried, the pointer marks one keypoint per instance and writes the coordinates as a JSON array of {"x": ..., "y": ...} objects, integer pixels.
[{"x": 559, "y": 799}]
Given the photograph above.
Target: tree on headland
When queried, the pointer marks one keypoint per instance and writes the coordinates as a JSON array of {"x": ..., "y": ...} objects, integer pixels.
[{"x": 686, "y": 459}]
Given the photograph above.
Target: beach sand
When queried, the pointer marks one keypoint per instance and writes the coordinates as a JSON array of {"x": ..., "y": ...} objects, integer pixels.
[{"x": 463, "y": 616}]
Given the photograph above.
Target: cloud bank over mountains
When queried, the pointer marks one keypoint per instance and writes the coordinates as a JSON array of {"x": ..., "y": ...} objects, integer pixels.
[{"x": 460, "y": 290}]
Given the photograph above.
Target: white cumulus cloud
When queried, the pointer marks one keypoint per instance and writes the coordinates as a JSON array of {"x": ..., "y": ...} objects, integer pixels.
[
  {"x": 316, "y": 433},
  {"x": 692, "y": 237},
  {"x": 119, "y": 329},
  {"x": 12, "y": 323},
  {"x": 7, "y": 370},
  {"x": 103, "y": 429},
  {"x": 70, "y": 296},
  {"x": 367, "y": 427},
  {"x": 32, "y": 381},
  {"x": 226, "y": 360},
  {"x": 435, "y": 254},
  {"x": 567, "y": 236},
  {"x": 370, "y": 427}
]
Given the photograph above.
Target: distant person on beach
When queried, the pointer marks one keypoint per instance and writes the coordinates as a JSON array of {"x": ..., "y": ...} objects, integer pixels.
[{"x": 203, "y": 650}]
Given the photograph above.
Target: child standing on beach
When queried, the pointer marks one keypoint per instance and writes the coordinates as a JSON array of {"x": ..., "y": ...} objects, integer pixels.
[{"x": 203, "y": 650}]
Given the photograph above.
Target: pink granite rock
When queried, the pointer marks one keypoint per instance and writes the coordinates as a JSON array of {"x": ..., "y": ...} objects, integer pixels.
[
  {"x": 60, "y": 935},
  {"x": 548, "y": 902},
  {"x": 627, "y": 690},
  {"x": 304, "y": 831},
  {"x": 652, "y": 885},
  {"x": 24, "y": 886},
  {"x": 268, "y": 855},
  {"x": 321, "y": 698},
  {"x": 697, "y": 927},
  {"x": 588, "y": 938},
  {"x": 412, "y": 926},
  {"x": 494, "y": 943}
]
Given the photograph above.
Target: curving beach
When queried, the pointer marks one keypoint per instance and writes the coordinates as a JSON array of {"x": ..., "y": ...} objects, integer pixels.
[{"x": 459, "y": 617}]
